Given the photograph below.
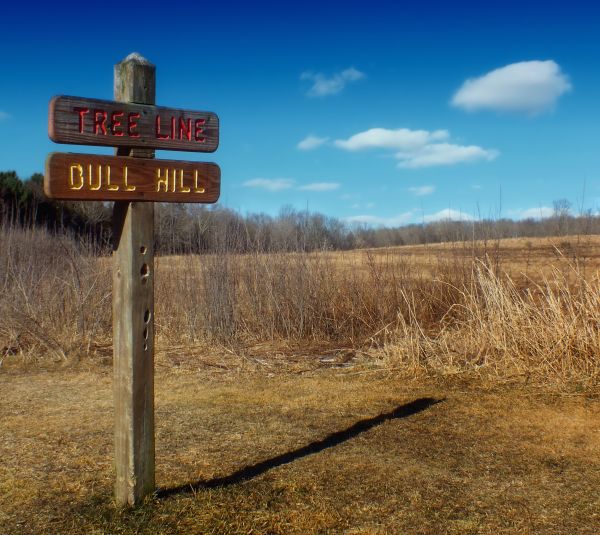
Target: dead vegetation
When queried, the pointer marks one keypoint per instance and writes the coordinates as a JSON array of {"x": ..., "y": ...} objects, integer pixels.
[
  {"x": 442, "y": 389},
  {"x": 329, "y": 451},
  {"x": 548, "y": 331},
  {"x": 527, "y": 309}
]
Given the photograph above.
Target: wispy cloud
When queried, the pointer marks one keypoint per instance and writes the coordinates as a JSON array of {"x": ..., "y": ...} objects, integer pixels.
[
  {"x": 359, "y": 206},
  {"x": 448, "y": 215},
  {"x": 323, "y": 85},
  {"x": 312, "y": 142},
  {"x": 530, "y": 87},
  {"x": 416, "y": 148},
  {"x": 320, "y": 186},
  {"x": 281, "y": 184},
  {"x": 402, "y": 139},
  {"x": 444, "y": 154},
  {"x": 420, "y": 191},
  {"x": 270, "y": 184},
  {"x": 393, "y": 221},
  {"x": 4, "y": 115},
  {"x": 540, "y": 212}
]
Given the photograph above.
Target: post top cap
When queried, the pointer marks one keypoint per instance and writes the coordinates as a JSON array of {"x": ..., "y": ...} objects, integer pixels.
[{"x": 135, "y": 57}]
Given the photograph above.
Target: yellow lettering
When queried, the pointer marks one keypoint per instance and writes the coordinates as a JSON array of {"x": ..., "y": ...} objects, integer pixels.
[
  {"x": 181, "y": 187},
  {"x": 79, "y": 168},
  {"x": 91, "y": 178},
  {"x": 197, "y": 188},
  {"x": 174, "y": 183},
  {"x": 127, "y": 186},
  {"x": 111, "y": 187},
  {"x": 162, "y": 181}
]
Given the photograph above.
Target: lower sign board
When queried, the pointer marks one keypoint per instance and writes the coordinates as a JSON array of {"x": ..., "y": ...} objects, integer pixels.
[{"x": 87, "y": 177}]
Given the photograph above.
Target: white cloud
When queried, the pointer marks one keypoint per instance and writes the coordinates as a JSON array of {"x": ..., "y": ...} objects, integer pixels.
[
  {"x": 540, "y": 212},
  {"x": 447, "y": 214},
  {"x": 368, "y": 206},
  {"x": 312, "y": 142},
  {"x": 416, "y": 148},
  {"x": 320, "y": 186},
  {"x": 419, "y": 191},
  {"x": 444, "y": 154},
  {"x": 270, "y": 184},
  {"x": 393, "y": 221},
  {"x": 323, "y": 86},
  {"x": 383, "y": 138},
  {"x": 280, "y": 184},
  {"x": 4, "y": 115},
  {"x": 529, "y": 86}
]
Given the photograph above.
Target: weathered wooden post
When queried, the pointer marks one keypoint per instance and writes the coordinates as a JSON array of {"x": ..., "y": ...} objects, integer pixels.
[
  {"x": 133, "y": 179},
  {"x": 133, "y": 311}
]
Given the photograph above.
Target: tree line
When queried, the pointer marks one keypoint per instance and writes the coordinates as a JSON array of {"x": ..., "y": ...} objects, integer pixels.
[{"x": 190, "y": 228}]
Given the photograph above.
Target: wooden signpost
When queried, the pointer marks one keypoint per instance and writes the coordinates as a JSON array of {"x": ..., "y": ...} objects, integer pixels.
[{"x": 135, "y": 126}]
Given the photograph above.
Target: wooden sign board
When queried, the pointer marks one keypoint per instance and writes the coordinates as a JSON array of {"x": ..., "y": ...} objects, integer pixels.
[
  {"x": 85, "y": 121},
  {"x": 87, "y": 177}
]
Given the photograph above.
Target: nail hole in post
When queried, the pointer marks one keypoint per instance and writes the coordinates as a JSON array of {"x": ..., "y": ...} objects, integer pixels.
[
  {"x": 147, "y": 315},
  {"x": 145, "y": 272},
  {"x": 143, "y": 249},
  {"x": 146, "y": 333}
]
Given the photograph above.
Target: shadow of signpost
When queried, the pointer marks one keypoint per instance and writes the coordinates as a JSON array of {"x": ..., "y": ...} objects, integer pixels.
[{"x": 317, "y": 446}]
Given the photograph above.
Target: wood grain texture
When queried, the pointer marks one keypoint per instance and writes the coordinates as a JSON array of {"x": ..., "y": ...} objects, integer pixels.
[
  {"x": 88, "y": 177},
  {"x": 86, "y": 121},
  {"x": 133, "y": 316},
  {"x": 133, "y": 351}
]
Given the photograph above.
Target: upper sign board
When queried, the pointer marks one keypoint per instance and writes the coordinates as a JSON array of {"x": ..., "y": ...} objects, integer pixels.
[{"x": 86, "y": 121}]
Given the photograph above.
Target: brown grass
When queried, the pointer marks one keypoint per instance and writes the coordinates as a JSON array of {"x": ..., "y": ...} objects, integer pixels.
[
  {"x": 484, "y": 460},
  {"x": 548, "y": 331},
  {"x": 54, "y": 297},
  {"x": 277, "y": 381},
  {"x": 511, "y": 308}
]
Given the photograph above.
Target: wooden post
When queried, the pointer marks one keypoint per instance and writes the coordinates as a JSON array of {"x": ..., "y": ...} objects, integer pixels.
[
  {"x": 133, "y": 312},
  {"x": 133, "y": 179}
]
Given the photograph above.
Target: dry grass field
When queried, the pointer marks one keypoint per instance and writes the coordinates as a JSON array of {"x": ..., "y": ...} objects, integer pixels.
[
  {"x": 324, "y": 451},
  {"x": 442, "y": 389}
]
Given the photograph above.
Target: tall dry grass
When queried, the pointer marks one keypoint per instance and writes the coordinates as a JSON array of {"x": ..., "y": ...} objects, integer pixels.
[
  {"x": 54, "y": 296},
  {"x": 548, "y": 331},
  {"x": 293, "y": 298},
  {"x": 464, "y": 315}
]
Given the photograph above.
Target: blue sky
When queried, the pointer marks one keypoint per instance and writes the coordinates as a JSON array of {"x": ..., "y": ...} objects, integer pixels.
[{"x": 376, "y": 112}]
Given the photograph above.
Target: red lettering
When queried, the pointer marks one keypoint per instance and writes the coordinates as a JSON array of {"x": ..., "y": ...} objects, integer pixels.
[
  {"x": 199, "y": 129},
  {"x": 185, "y": 129},
  {"x": 81, "y": 112},
  {"x": 115, "y": 122},
  {"x": 158, "y": 134},
  {"x": 132, "y": 124},
  {"x": 172, "y": 127},
  {"x": 100, "y": 121}
]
